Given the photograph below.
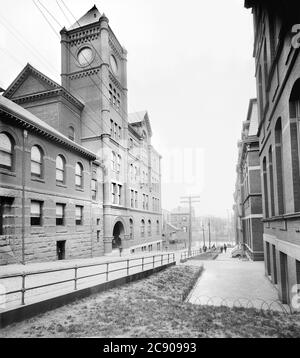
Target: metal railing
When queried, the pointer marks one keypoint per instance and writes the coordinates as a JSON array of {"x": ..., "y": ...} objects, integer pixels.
[
  {"x": 186, "y": 254},
  {"x": 146, "y": 261}
]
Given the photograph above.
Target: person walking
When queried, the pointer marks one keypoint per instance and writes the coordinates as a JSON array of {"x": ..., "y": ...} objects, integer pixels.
[
  {"x": 221, "y": 249},
  {"x": 225, "y": 248}
]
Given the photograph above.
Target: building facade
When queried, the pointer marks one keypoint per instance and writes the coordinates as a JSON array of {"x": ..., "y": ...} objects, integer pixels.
[
  {"x": 89, "y": 109},
  {"x": 249, "y": 224},
  {"x": 277, "y": 68}
]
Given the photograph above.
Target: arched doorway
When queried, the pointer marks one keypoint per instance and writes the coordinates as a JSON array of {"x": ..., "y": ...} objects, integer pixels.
[{"x": 118, "y": 234}]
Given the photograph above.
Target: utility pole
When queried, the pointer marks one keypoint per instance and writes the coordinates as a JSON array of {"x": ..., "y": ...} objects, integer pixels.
[
  {"x": 203, "y": 235},
  {"x": 209, "y": 244},
  {"x": 190, "y": 200}
]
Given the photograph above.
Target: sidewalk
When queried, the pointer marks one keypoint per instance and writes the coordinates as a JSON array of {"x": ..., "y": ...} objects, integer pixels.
[
  {"x": 116, "y": 265},
  {"x": 226, "y": 280}
]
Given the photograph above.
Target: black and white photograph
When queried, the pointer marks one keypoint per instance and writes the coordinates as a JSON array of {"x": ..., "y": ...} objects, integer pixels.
[{"x": 149, "y": 172}]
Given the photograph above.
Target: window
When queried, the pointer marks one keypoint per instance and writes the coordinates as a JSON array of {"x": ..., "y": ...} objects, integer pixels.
[
  {"x": 136, "y": 199},
  {"x": 294, "y": 106},
  {"x": 71, "y": 133},
  {"x": 36, "y": 213},
  {"x": 144, "y": 201},
  {"x": 157, "y": 227},
  {"x": 132, "y": 198},
  {"x": 79, "y": 175},
  {"x": 266, "y": 192},
  {"x": 271, "y": 181},
  {"x": 279, "y": 166},
  {"x": 94, "y": 189},
  {"x": 119, "y": 194},
  {"x": 149, "y": 227},
  {"x": 5, "y": 215},
  {"x": 143, "y": 228},
  {"x": 111, "y": 127},
  {"x": 116, "y": 131},
  {"x": 120, "y": 132},
  {"x": 6, "y": 151},
  {"x": 79, "y": 214},
  {"x": 131, "y": 229},
  {"x": 113, "y": 161},
  {"x": 36, "y": 161},
  {"x": 147, "y": 202},
  {"x": 260, "y": 94},
  {"x": 60, "y": 169},
  {"x": 116, "y": 192},
  {"x": 60, "y": 214},
  {"x": 113, "y": 193},
  {"x": 119, "y": 158}
]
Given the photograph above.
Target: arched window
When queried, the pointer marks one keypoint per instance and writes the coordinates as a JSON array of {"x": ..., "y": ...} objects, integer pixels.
[
  {"x": 131, "y": 229},
  {"x": 6, "y": 151},
  {"x": 294, "y": 106},
  {"x": 266, "y": 191},
  {"x": 271, "y": 181},
  {"x": 279, "y": 167},
  {"x": 119, "y": 158},
  {"x": 36, "y": 161},
  {"x": 260, "y": 94},
  {"x": 60, "y": 169},
  {"x": 79, "y": 175},
  {"x": 143, "y": 228},
  {"x": 71, "y": 133},
  {"x": 149, "y": 227},
  {"x": 157, "y": 227}
]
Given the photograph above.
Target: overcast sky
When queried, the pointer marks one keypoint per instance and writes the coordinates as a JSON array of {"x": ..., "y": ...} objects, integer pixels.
[{"x": 189, "y": 64}]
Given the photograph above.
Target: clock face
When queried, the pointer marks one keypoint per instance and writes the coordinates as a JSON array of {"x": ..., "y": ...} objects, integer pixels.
[
  {"x": 85, "y": 56},
  {"x": 113, "y": 64}
]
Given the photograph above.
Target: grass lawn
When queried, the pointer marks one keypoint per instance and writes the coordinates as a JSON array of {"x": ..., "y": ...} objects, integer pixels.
[{"x": 153, "y": 308}]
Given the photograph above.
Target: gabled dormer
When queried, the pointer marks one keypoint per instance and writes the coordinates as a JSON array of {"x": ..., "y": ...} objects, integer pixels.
[{"x": 47, "y": 100}]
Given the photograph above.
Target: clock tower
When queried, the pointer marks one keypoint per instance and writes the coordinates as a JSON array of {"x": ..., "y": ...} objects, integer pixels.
[{"x": 94, "y": 69}]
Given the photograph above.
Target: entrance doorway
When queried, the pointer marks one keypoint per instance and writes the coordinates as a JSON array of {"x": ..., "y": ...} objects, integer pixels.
[
  {"x": 61, "y": 250},
  {"x": 118, "y": 234}
]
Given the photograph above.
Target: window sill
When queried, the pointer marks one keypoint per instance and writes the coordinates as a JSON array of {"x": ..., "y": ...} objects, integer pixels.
[
  {"x": 79, "y": 189},
  {"x": 61, "y": 230},
  {"x": 40, "y": 180},
  {"x": 61, "y": 185},
  {"x": 8, "y": 172}
]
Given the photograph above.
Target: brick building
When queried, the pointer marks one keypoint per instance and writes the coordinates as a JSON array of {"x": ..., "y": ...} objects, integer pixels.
[
  {"x": 277, "y": 70},
  {"x": 88, "y": 110},
  {"x": 249, "y": 228}
]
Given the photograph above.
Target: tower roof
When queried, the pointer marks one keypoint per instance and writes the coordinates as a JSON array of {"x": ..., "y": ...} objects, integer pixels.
[{"x": 93, "y": 15}]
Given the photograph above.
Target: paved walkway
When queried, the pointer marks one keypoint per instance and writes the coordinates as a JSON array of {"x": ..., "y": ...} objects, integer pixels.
[{"x": 234, "y": 282}]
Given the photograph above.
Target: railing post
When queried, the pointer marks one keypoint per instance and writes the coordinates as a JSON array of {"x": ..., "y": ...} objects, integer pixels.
[
  {"x": 173, "y": 257},
  {"x": 128, "y": 267},
  {"x": 153, "y": 261},
  {"x": 162, "y": 260},
  {"x": 75, "y": 280},
  {"x": 23, "y": 288},
  {"x": 142, "y": 264},
  {"x": 168, "y": 258},
  {"x": 107, "y": 271}
]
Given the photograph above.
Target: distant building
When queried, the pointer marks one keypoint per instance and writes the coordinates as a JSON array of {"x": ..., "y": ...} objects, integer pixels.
[
  {"x": 79, "y": 176},
  {"x": 249, "y": 227},
  {"x": 277, "y": 70}
]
